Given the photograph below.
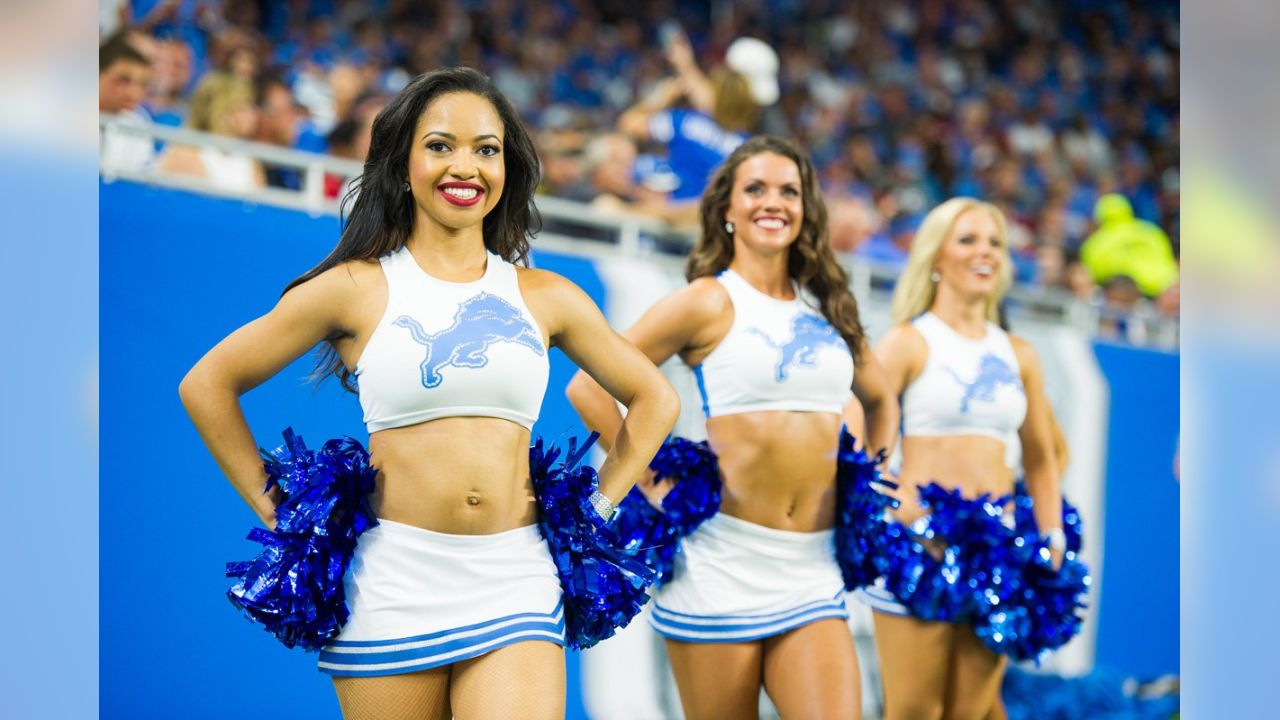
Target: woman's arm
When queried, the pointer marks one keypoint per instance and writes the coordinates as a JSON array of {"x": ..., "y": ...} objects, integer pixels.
[
  {"x": 635, "y": 120},
  {"x": 1039, "y": 458},
  {"x": 874, "y": 389},
  {"x": 246, "y": 358},
  {"x": 577, "y": 327},
  {"x": 697, "y": 85},
  {"x": 673, "y": 324}
]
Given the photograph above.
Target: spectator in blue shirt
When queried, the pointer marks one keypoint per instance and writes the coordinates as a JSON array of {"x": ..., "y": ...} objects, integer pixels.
[{"x": 698, "y": 139}]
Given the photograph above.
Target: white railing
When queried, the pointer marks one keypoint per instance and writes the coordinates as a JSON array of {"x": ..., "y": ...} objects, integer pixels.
[{"x": 570, "y": 226}]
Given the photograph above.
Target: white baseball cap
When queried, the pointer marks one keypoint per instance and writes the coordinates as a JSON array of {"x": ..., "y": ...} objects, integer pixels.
[{"x": 758, "y": 63}]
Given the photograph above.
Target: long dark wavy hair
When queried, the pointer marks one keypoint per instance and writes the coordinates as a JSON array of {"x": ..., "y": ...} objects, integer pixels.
[
  {"x": 382, "y": 215},
  {"x": 810, "y": 261}
]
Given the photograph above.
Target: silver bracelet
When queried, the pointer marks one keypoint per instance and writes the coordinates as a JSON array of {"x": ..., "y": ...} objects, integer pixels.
[
  {"x": 604, "y": 506},
  {"x": 1057, "y": 539}
]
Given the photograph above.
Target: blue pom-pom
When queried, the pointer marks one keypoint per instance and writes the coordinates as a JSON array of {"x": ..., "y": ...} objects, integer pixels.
[
  {"x": 653, "y": 534},
  {"x": 1102, "y": 693},
  {"x": 861, "y": 527},
  {"x": 604, "y": 584},
  {"x": 1042, "y": 611},
  {"x": 975, "y": 562},
  {"x": 294, "y": 588}
]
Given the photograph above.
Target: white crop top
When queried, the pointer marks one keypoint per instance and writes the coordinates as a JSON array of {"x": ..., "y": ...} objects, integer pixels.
[
  {"x": 778, "y": 355},
  {"x": 967, "y": 387},
  {"x": 445, "y": 349}
]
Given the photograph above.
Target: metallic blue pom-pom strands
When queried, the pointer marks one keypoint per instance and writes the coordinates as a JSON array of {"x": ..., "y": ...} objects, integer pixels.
[
  {"x": 994, "y": 571},
  {"x": 1041, "y": 613},
  {"x": 861, "y": 527},
  {"x": 605, "y": 585},
  {"x": 294, "y": 588},
  {"x": 653, "y": 534}
]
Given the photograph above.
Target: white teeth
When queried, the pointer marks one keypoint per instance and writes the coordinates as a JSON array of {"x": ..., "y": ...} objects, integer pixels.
[
  {"x": 983, "y": 269},
  {"x": 461, "y": 193},
  {"x": 770, "y": 223}
]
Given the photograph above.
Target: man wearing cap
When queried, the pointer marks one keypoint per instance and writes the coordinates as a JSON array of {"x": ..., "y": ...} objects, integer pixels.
[{"x": 724, "y": 109}]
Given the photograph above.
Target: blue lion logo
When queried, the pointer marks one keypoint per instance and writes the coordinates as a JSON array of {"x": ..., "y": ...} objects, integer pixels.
[
  {"x": 993, "y": 373},
  {"x": 808, "y": 333},
  {"x": 480, "y": 322}
]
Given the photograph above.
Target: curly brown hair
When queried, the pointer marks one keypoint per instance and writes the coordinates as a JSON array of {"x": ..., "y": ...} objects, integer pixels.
[{"x": 810, "y": 261}]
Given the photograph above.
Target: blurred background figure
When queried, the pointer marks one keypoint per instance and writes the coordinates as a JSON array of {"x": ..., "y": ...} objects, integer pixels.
[
  {"x": 721, "y": 113},
  {"x": 1125, "y": 245},
  {"x": 123, "y": 77},
  {"x": 223, "y": 104}
]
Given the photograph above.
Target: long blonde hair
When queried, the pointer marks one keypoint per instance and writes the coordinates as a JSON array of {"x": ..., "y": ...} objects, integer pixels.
[{"x": 916, "y": 289}]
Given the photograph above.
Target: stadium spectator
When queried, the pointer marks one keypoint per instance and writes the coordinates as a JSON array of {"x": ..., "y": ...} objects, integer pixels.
[
  {"x": 900, "y": 104},
  {"x": 724, "y": 110},
  {"x": 123, "y": 77},
  {"x": 223, "y": 104},
  {"x": 1126, "y": 246}
]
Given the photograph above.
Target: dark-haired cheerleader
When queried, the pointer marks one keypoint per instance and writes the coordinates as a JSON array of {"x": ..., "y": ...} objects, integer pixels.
[{"x": 466, "y": 583}]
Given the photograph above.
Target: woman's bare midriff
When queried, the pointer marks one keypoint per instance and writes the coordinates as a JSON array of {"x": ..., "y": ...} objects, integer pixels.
[
  {"x": 975, "y": 464},
  {"x": 779, "y": 467},
  {"x": 462, "y": 475}
]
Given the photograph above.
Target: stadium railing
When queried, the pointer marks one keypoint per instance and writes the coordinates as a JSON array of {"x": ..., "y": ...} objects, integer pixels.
[{"x": 580, "y": 229}]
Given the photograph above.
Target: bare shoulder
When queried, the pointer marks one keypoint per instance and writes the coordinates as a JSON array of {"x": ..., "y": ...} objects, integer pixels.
[
  {"x": 902, "y": 352},
  {"x": 537, "y": 279},
  {"x": 1025, "y": 352},
  {"x": 903, "y": 340},
  {"x": 706, "y": 296},
  {"x": 346, "y": 281}
]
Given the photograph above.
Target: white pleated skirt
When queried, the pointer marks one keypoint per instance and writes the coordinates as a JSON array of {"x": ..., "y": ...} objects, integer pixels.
[
  {"x": 421, "y": 599},
  {"x": 735, "y": 581}
]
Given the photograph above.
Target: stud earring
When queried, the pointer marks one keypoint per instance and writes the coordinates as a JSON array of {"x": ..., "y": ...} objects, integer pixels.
[
  {"x": 935, "y": 276},
  {"x": 406, "y": 187},
  {"x": 728, "y": 227}
]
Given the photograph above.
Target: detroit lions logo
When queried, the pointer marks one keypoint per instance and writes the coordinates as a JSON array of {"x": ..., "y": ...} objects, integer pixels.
[
  {"x": 993, "y": 373},
  {"x": 808, "y": 334},
  {"x": 480, "y": 322}
]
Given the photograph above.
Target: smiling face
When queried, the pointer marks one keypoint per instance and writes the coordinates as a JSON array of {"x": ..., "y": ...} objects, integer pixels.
[
  {"x": 456, "y": 169},
  {"x": 766, "y": 204},
  {"x": 972, "y": 255}
]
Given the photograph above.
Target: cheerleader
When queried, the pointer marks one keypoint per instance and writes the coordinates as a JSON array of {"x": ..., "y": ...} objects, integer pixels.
[
  {"x": 965, "y": 385},
  {"x": 771, "y": 331},
  {"x": 425, "y": 311}
]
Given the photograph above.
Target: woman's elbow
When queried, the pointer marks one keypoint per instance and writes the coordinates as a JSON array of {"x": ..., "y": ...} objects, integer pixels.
[
  {"x": 578, "y": 391},
  {"x": 667, "y": 402},
  {"x": 189, "y": 389}
]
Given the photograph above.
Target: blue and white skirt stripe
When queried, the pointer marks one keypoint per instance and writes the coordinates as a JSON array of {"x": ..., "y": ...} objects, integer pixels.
[
  {"x": 735, "y": 581},
  {"x": 743, "y": 628},
  {"x": 421, "y": 599},
  {"x": 878, "y": 598},
  {"x": 355, "y": 658}
]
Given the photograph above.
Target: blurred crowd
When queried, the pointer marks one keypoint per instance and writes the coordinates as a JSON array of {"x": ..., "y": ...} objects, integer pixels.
[{"x": 1063, "y": 113}]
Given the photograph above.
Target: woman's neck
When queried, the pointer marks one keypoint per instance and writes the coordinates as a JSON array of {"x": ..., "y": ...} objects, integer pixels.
[
  {"x": 457, "y": 256},
  {"x": 768, "y": 274},
  {"x": 967, "y": 317}
]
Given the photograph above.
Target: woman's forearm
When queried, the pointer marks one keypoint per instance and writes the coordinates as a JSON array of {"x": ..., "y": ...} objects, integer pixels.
[
  {"x": 650, "y": 417},
  {"x": 218, "y": 418},
  {"x": 882, "y": 426},
  {"x": 1045, "y": 489},
  {"x": 598, "y": 410}
]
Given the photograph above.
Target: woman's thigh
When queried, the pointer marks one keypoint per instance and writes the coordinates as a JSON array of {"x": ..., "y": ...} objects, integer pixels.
[
  {"x": 812, "y": 672},
  {"x": 522, "y": 680},
  {"x": 974, "y": 683},
  {"x": 422, "y": 695},
  {"x": 717, "y": 681},
  {"x": 914, "y": 661}
]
